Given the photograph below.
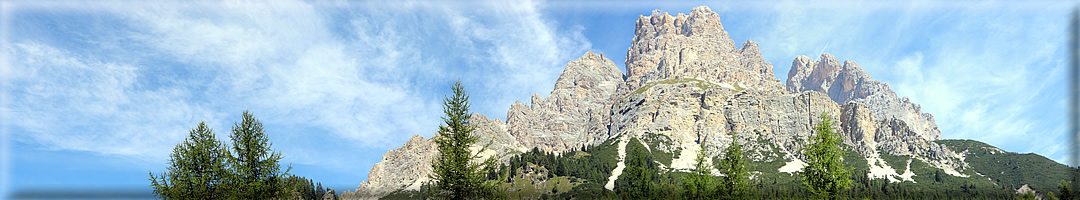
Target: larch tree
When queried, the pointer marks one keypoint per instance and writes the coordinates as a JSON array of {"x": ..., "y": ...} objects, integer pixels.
[
  {"x": 733, "y": 185},
  {"x": 455, "y": 176},
  {"x": 699, "y": 184},
  {"x": 197, "y": 168},
  {"x": 256, "y": 173},
  {"x": 825, "y": 174}
]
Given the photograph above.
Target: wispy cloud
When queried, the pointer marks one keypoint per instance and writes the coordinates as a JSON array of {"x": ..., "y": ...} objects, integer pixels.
[
  {"x": 979, "y": 68},
  {"x": 369, "y": 73},
  {"x": 68, "y": 103}
]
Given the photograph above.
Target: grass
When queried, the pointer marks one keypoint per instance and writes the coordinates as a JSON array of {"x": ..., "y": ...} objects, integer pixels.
[
  {"x": 1011, "y": 169},
  {"x": 655, "y": 141},
  {"x": 771, "y": 161},
  {"x": 579, "y": 154},
  {"x": 535, "y": 185},
  {"x": 898, "y": 163},
  {"x": 704, "y": 85}
]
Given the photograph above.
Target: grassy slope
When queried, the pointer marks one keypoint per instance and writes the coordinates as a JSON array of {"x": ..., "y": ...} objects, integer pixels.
[{"x": 1006, "y": 168}]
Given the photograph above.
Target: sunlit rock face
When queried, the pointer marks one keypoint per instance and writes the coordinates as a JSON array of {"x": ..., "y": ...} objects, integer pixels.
[
  {"x": 686, "y": 80},
  {"x": 848, "y": 83}
]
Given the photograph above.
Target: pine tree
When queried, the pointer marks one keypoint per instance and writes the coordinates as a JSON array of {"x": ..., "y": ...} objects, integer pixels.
[
  {"x": 734, "y": 184},
  {"x": 256, "y": 173},
  {"x": 455, "y": 177},
  {"x": 319, "y": 191},
  {"x": 196, "y": 169},
  {"x": 698, "y": 184},
  {"x": 639, "y": 178},
  {"x": 825, "y": 175}
]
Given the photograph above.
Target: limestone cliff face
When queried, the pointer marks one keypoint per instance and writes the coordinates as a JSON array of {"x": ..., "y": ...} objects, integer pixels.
[
  {"x": 687, "y": 80},
  {"x": 870, "y": 136},
  {"x": 399, "y": 168},
  {"x": 690, "y": 111},
  {"x": 849, "y": 83},
  {"x": 693, "y": 46},
  {"x": 575, "y": 112},
  {"x": 408, "y": 167}
]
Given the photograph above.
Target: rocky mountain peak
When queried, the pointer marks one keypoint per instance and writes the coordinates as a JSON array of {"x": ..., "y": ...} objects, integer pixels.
[
  {"x": 587, "y": 71},
  {"x": 848, "y": 83},
  {"x": 687, "y": 83},
  {"x": 819, "y": 75},
  {"x": 692, "y": 46},
  {"x": 400, "y": 168},
  {"x": 574, "y": 111}
]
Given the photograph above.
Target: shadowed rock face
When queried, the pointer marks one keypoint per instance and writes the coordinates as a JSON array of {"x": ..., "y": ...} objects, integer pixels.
[
  {"x": 687, "y": 80},
  {"x": 848, "y": 83}
]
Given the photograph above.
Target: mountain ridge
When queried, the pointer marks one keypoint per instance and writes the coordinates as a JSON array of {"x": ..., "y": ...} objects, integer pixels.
[{"x": 686, "y": 81}]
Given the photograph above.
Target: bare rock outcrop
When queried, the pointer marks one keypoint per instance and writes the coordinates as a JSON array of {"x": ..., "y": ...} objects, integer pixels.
[
  {"x": 692, "y": 111},
  {"x": 892, "y": 136},
  {"x": 575, "y": 112},
  {"x": 858, "y": 125},
  {"x": 693, "y": 46},
  {"x": 687, "y": 80},
  {"x": 849, "y": 83},
  {"x": 408, "y": 167},
  {"x": 399, "y": 168}
]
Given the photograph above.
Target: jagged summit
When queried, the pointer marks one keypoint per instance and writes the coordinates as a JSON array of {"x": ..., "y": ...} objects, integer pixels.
[
  {"x": 848, "y": 83},
  {"x": 687, "y": 83},
  {"x": 574, "y": 112},
  {"x": 693, "y": 46}
]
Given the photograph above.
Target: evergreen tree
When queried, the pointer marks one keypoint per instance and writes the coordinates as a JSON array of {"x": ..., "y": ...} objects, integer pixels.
[
  {"x": 824, "y": 174},
  {"x": 196, "y": 169},
  {"x": 319, "y": 191},
  {"x": 638, "y": 180},
  {"x": 698, "y": 184},
  {"x": 734, "y": 184},
  {"x": 256, "y": 173},
  {"x": 455, "y": 177},
  {"x": 1029, "y": 195},
  {"x": 1065, "y": 191}
]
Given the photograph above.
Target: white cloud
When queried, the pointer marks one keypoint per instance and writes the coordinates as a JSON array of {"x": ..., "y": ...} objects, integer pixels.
[
  {"x": 987, "y": 71},
  {"x": 68, "y": 103},
  {"x": 370, "y": 73}
]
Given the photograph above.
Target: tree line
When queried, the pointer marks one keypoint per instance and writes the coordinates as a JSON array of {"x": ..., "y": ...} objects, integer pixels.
[
  {"x": 202, "y": 167},
  {"x": 456, "y": 177}
]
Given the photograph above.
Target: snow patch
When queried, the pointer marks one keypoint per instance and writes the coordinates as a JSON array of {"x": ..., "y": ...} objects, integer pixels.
[
  {"x": 879, "y": 169},
  {"x": 688, "y": 156},
  {"x": 618, "y": 166},
  {"x": 951, "y": 171},
  {"x": 795, "y": 165},
  {"x": 724, "y": 85},
  {"x": 907, "y": 173}
]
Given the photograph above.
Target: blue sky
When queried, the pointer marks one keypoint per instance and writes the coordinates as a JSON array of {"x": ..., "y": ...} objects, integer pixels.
[{"x": 95, "y": 94}]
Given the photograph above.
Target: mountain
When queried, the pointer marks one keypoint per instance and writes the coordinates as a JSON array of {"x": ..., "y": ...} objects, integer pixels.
[
  {"x": 848, "y": 83},
  {"x": 688, "y": 83}
]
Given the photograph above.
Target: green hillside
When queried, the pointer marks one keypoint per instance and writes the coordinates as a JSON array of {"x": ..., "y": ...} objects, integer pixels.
[
  {"x": 1007, "y": 168},
  {"x": 582, "y": 174}
]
